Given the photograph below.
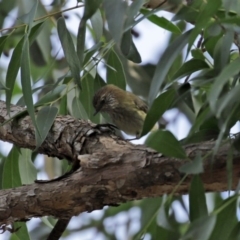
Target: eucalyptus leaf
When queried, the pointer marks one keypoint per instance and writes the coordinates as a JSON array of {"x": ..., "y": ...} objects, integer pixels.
[
  {"x": 197, "y": 198},
  {"x": 193, "y": 167},
  {"x": 165, "y": 63},
  {"x": 69, "y": 50},
  {"x": 164, "y": 142},
  {"x": 27, "y": 170},
  {"x": 161, "y": 104},
  {"x": 45, "y": 119},
  {"x": 115, "y": 74},
  {"x": 10, "y": 175}
]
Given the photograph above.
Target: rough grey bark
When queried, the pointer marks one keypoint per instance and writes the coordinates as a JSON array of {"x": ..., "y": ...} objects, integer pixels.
[{"x": 112, "y": 170}]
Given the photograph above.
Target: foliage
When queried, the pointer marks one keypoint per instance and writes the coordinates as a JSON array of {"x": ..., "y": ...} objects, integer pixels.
[{"x": 198, "y": 74}]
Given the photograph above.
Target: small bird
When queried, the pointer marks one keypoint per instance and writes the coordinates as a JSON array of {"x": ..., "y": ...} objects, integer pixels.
[{"x": 126, "y": 110}]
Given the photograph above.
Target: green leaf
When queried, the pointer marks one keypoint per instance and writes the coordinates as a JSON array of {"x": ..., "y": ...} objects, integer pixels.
[
  {"x": 35, "y": 31},
  {"x": 3, "y": 40},
  {"x": 45, "y": 119},
  {"x": 27, "y": 170},
  {"x": 29, "y": 17},
  {"x": 165, "y": 63},
  {"x": 222, "y": 51},
  {"x": 12, "y": 71},
  {"x": 201, "y": 228},
  {"x": 190, "y": 67},
  {"x": 161, "y": 22},
  {"x": 229, "y": 71},
  {"x": 63, "y": 110},
  {"x": 162, "y": 103},
  {"x": 193, "y": 167},
  {"x": 91, "y": 7},
  {"x": 90, "y": 52},
  {"x": 10, "y": 176},
  {"x": 51, "y": 96},
  {"x": 197, "y": 200},
  {"x": 164, "y": 142},
  {"x": 69, "y": 50},
  {"x": 116, "y": 75},
  {"x": 129, "y": 49},
  {"x": 26, "y": 85},
  {"x": 115, "y": 12},
  {"x": 206, "y": 13},
  {"x": 97, "y": 25},
  {"x": 22, "y": 232},
  {"x": 78, "y": 110},
  {"x": 86, "y": 96},
  {"x": 226, "y": 219},
  {"x": 81, "y": 42}
]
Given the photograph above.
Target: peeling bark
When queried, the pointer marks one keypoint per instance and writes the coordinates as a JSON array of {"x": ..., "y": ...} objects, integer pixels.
[{"x": 112, "y": 170}]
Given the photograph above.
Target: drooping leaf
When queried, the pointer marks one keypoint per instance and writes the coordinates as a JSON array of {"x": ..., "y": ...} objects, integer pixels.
[
  {"x": 165, "y": 63},
  {"x": 26, "y": 85},
  {"x": 27, "y": 170},
  {"x": 200, "y": 228},
  {"x": 193, "y": 167},
  {"x": 197, "y": 199},
  {"x": 78, "y": 110},
  {"x": 29, "y": 17},
  {"x": 164, "y": 142},
  {"x": 115, "y": 74},
  {"x": 22, "y": 232},
  {"x": 190, "y": 67},
  {"x": 161, "y": 104},
  {"x": 226, "y": 219},
  {"x": 161, "y": 22},
  {"x": 51, "y": 95},
  {"x": 91, "y": 7},
  {"x": 69, "y": 50},
  {"x": 10, "y": 175},
  {"x": 45, "y": 119},
  {"x": 206, "y": 13},
  {"x": 12, "y": 71},
  {"x": 97, "y": 25},
  {"x": 115, "y": 13},
  {"x": 230, "y": 70},
  {"x": 129, "y": 49}
]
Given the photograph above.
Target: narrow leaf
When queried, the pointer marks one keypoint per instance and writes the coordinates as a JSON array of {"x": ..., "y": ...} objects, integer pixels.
[
  {"x": 10, "y": 175},
  {"x": 190, "y": 67},
  {"x": 229, "y": 71},
  {"x": 162, "y": 103},
  {"x": 193, "y": 167},
  {"x": 27, "y": 170},
  {"x": 78, "y": 111},
  {"x": 164, "y": 142},
  {"x": 197, "y": 199},
  {"x": 115, "y": 13},
  {"x": 29, "y": 17},
  {"x": 201, "y": 228},
  {"x": 51, "y": 95},
  {"x": 12, "y": 71},
  {"x": 97, "y": 25},
  {"x": 161, "y": 22},
  {"x": 69, "y": 50},
  {"x": 165, "y": 64},
  {"x": 202, "y": 19},
  {"x": 45, "y": 119},
  {"x": 116, "y": 75},
  {"x": 26, "y": 84}
]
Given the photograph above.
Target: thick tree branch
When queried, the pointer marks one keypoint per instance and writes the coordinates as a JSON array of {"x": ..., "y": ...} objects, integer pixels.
[{"x": 112, "y": 170}]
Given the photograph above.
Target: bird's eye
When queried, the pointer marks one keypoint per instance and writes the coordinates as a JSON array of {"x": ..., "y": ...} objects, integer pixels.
[{"x": 102, "y": 101}]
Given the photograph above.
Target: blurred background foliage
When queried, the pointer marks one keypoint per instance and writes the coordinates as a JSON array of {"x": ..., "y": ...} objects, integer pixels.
[{"x": 46, "y": 65}]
